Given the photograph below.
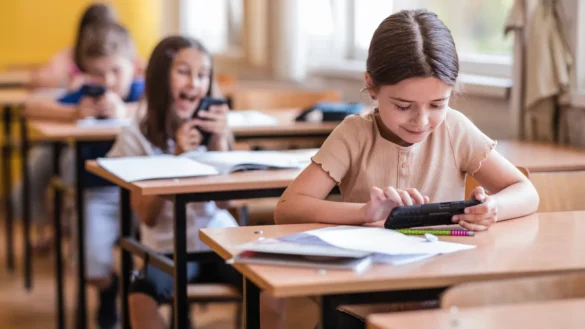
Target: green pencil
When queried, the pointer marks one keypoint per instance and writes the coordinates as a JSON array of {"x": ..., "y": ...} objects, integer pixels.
[{"x": 437, "y": 232}]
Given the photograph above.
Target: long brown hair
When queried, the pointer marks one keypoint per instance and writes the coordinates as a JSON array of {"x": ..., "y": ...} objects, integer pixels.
[
  {"x": 412, "y": 43},
  {"x": 160, "y": 123}
]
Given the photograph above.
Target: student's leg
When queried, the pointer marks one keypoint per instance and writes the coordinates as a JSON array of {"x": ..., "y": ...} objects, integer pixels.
[
  {"x": 147, "y": 291},
  {"x": 101, "y": 233},
  {"x": 40, "y": 170}
]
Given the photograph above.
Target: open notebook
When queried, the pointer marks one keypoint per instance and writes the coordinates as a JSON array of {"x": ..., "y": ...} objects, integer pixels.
[
  {"x": 343, "y": 247},
  {"x": 193, "y": 164}
]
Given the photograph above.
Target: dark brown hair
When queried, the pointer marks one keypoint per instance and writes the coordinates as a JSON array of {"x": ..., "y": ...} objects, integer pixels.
[
  {"x": 160, "y": 123},
  {"x": 412, "y": 43},
  {"x": 94, "y": 14},
  {"x": 104, "y": 39}
]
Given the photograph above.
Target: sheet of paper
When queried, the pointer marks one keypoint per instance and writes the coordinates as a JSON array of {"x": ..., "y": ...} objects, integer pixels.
[
  {"x": 133, "y": 169},
  {"x": 384, "y": 241},
  {"x": 92, "y": 122},
  {"x": 226, "y": 162},
  {"x": 250, "y": 118}
]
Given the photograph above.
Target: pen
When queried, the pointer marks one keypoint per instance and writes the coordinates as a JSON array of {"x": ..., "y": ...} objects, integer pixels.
[{"x": 437, "y": 232}]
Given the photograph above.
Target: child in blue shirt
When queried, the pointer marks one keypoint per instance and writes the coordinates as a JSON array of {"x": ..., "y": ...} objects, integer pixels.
[{"x": 106, "y": 55}]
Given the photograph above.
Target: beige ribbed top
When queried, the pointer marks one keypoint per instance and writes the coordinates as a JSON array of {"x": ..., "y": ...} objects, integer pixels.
[{"x": 357, "y": 157}]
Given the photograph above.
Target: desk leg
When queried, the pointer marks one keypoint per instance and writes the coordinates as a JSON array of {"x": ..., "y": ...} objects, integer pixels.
[
  {"x": 57, "y": 202},
  {"x": 126, "y": 257},
  {"x": 7, "y": 179},
  {"x": 252, "y": 300},
  {"x": 79, "y": 204},
  {"x": 181, "y": 306},
  {"x": 25, "y": 206}
]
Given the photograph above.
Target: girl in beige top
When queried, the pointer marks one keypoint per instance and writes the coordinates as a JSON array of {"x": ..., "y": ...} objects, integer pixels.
[{"x": 412, "y": 148}]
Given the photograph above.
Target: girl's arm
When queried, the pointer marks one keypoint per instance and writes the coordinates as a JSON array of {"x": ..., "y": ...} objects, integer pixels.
[
  {"x": 148, "y": 208},
  {"x": 303, "y": 201},
  {"x": 513, "y": 195}
]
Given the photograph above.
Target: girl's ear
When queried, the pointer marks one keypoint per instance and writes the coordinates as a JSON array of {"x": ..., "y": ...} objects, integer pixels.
[{"x": 370, "y": 85}]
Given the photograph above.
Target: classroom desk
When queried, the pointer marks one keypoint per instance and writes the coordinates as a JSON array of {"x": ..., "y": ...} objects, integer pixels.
[
  {"x": 555, "y": 170},
  {"x": 10, "y": 100},
  {"x": 534, "y": 245},
  {"x": 16, "y": 78},
  {"x": 542, "y": 157},
  {"x": 566, "y": 314},
  {"x": 84, "y": 136}
]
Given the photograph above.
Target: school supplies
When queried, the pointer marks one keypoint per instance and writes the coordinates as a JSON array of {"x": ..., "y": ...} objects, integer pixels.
[
  {"x": 384, "y": 246},
  {"x": 329, "y": 111},
  {"x": 197, "y": 163},
  {"x": 109, "y": 122},
  {"x": 431, "y": 214},
  {"x": 437, "y": 232}
]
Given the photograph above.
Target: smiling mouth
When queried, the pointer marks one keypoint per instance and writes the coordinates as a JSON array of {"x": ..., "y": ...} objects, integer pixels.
[
  {"x": 184, "y": 96},
  {"x": 415, "y": 132}
]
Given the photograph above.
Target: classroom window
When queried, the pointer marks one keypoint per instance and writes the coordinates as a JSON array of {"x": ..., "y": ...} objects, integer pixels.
[
  {"x": 477, "y": 27},
  {"x": 217, "y": 23}
]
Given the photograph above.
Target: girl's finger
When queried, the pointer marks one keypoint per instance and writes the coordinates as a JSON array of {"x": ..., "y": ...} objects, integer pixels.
[
  {"x": 406, "y": 199},
  {"x": 472, "y": 226},
  {"x": 417, "y": 197},
  {"x": 479, "y": 193},
  {"x": 392, "y": 195},
  {"x": 427, "y": 199},
  {"x": 478, "y": 209},
  {"x": 377, "y": 194}
]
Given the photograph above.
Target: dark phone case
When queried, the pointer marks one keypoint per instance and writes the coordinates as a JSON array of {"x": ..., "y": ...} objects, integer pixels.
[
  {"x": 431, "y": 214},
  {"x": 204, "y": 105},
  {"x": 93, "y": 90}
]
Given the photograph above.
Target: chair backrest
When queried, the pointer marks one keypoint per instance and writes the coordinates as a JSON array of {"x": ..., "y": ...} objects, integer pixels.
[
  {"x": 471, "y": 183},
  {"x": 267, "y": 98},
  {"x": 512, "y": 291}
]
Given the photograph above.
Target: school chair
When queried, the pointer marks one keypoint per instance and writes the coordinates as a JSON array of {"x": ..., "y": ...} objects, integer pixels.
[
  {"x": 471, "y": 183},
  {"x": 513, "y": 291},
  {"x": 204, "y": 293}
]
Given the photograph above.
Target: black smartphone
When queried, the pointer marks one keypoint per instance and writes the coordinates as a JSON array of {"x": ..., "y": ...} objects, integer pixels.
[
  {"x": 92, "y": 90},
  {"x": 431, "y": 214},
  {"x": 204, "y": 105}
]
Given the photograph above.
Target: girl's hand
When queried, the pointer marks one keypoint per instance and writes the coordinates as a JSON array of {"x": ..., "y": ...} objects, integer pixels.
[
  {"x": 187, "y": 137},
  {"x": 480, "y": 217},
  {"x": 383, "y": 201},
  {"x": 214, "y": 120}
]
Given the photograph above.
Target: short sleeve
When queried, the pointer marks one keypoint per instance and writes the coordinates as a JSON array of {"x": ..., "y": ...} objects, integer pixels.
[
  {"x": 130, "y": 142},
  {"x": 72, "y": 98},
  {"x": 469, "y": 144},
  {"x": 336, "y": 154}
]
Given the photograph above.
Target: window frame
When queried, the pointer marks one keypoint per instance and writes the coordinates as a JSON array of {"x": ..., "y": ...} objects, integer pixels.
[{"x": 498, "y": 66}]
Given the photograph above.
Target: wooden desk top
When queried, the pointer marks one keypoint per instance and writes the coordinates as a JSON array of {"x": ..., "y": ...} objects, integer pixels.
[
  {"x": 566, "y": 314},
  {"x": 538, "y": 244},
  {"x": 251, "y": 180},
  {"x": 65, "y": 131},
  {"x": 15, "y": 78},
  {"x": 13, "y": 96},
  {"x": 542, "y": 157}
]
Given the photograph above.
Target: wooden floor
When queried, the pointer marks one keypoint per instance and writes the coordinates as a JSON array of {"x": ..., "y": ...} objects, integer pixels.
[{"x": 35, "y": 309}]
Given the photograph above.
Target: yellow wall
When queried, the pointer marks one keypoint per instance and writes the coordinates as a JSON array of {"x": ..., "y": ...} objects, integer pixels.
[{"x": 31, "y": 31}]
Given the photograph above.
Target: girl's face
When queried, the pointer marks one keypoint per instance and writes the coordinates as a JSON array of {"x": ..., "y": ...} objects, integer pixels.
[
  {"x": 411, "y": 109},
  {"x": 190, "y": 78}
]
